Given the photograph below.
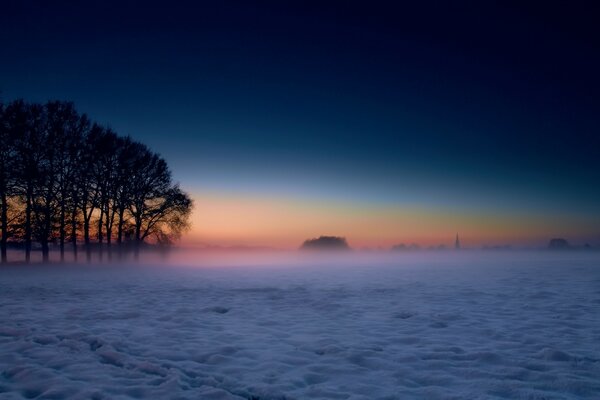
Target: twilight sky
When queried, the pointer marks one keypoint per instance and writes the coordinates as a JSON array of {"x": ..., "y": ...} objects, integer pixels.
[{"x": 382, "y": 123}]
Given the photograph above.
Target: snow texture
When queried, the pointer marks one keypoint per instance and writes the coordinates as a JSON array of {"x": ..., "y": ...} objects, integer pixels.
[{"x": 475, "y": 327}]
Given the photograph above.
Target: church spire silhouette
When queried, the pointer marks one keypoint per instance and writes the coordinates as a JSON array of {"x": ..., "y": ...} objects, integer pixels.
[{"x": 457, "y": 243}]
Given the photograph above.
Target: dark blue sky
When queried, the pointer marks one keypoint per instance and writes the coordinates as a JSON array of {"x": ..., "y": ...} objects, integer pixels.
[{"x": 466, "y": 106}]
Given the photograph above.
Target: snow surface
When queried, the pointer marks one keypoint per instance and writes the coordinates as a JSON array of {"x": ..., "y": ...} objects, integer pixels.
[{"x": 494, "y": 326}]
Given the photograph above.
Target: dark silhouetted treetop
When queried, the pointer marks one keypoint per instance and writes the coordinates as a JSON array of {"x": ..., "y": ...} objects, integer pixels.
[
  {"x": 405, "y": 247},
  {"x": 326, "y": 243},
  {"x": 558, "y": 244}
]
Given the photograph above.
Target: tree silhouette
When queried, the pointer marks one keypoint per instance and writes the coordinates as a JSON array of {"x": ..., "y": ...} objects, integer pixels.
[
  {"x": 64, "y": 178},
  {"x": 7, "y": 156},
  {"x": 325, "y": 243}
]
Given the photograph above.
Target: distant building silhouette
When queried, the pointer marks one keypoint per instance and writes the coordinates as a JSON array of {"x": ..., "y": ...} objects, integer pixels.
[{"x": 457, "y": 243}]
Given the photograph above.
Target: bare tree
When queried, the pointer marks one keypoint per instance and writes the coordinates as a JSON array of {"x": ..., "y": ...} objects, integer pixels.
[
  {"x": 168, "y": 217},
  {"x": 159, "y": 209},
  {"x": 126, "y": 162},
  {"x": 69, "y": 127},
  {"x": 87, "y": 185},
  {"x": 7, "y": 157},
  {"x": 104, "y": 171},
  {"x": 26, "y": 123},
  {"x": 59, "y": 172}
]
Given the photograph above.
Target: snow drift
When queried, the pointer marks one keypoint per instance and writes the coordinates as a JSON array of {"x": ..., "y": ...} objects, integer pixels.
[{"x": 421, "y": 327}]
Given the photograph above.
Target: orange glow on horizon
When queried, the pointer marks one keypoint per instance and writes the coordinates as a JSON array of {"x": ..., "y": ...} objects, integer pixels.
[{"x": 248, "y": 220}]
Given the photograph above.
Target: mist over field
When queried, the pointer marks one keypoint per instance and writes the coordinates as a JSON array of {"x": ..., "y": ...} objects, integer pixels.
[
  {"x": 289, "y": 200},
  {"x": 252, "y": 325}
]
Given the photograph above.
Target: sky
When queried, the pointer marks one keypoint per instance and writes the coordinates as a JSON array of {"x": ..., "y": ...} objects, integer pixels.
[{"x": 384, "y": 122}]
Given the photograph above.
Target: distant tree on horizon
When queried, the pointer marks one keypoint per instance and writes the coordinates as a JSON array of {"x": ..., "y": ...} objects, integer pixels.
[
  {"x": 64, "y": 178},
  {"x": 325, "y": 243},
  {"x": 558, "y": 244},
  {"x": 405, "y": 247}
]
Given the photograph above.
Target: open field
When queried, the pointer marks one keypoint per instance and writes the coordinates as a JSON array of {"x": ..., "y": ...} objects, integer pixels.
[{"x": 492, "y": 326}]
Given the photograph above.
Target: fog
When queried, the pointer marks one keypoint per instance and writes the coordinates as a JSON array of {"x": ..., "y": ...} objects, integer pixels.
[{"x": 311, "y": 260}]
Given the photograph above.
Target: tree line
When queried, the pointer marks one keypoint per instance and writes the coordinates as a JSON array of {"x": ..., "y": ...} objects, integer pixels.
[{"x": 69, "y": 181}]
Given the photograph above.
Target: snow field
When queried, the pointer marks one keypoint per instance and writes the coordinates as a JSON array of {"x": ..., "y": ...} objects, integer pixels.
[{"x": 510, "y": 327}]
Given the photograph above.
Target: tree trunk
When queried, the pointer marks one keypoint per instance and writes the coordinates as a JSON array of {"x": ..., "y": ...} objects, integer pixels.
[
  {"x": 120, "y": 231},
  {"x": 47, "y": 230},
  {"x": 28, "y": 208},
  {"x": 4, "y": 222},
  {"x": 74, "y": 232},
  {"x": 138, "y": 239},
  {"x": 100, "y": 219},
  {"x": 109, "y": 245},
  {"x": 86, "y": 235},
  {"x": 45, "y": 251},
  {"x": 109, "y": 225},
  {"x": 63, "y": 230}
]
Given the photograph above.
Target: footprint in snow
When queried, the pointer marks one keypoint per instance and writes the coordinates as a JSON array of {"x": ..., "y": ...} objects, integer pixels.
[{"x": 219, "y": 310}]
